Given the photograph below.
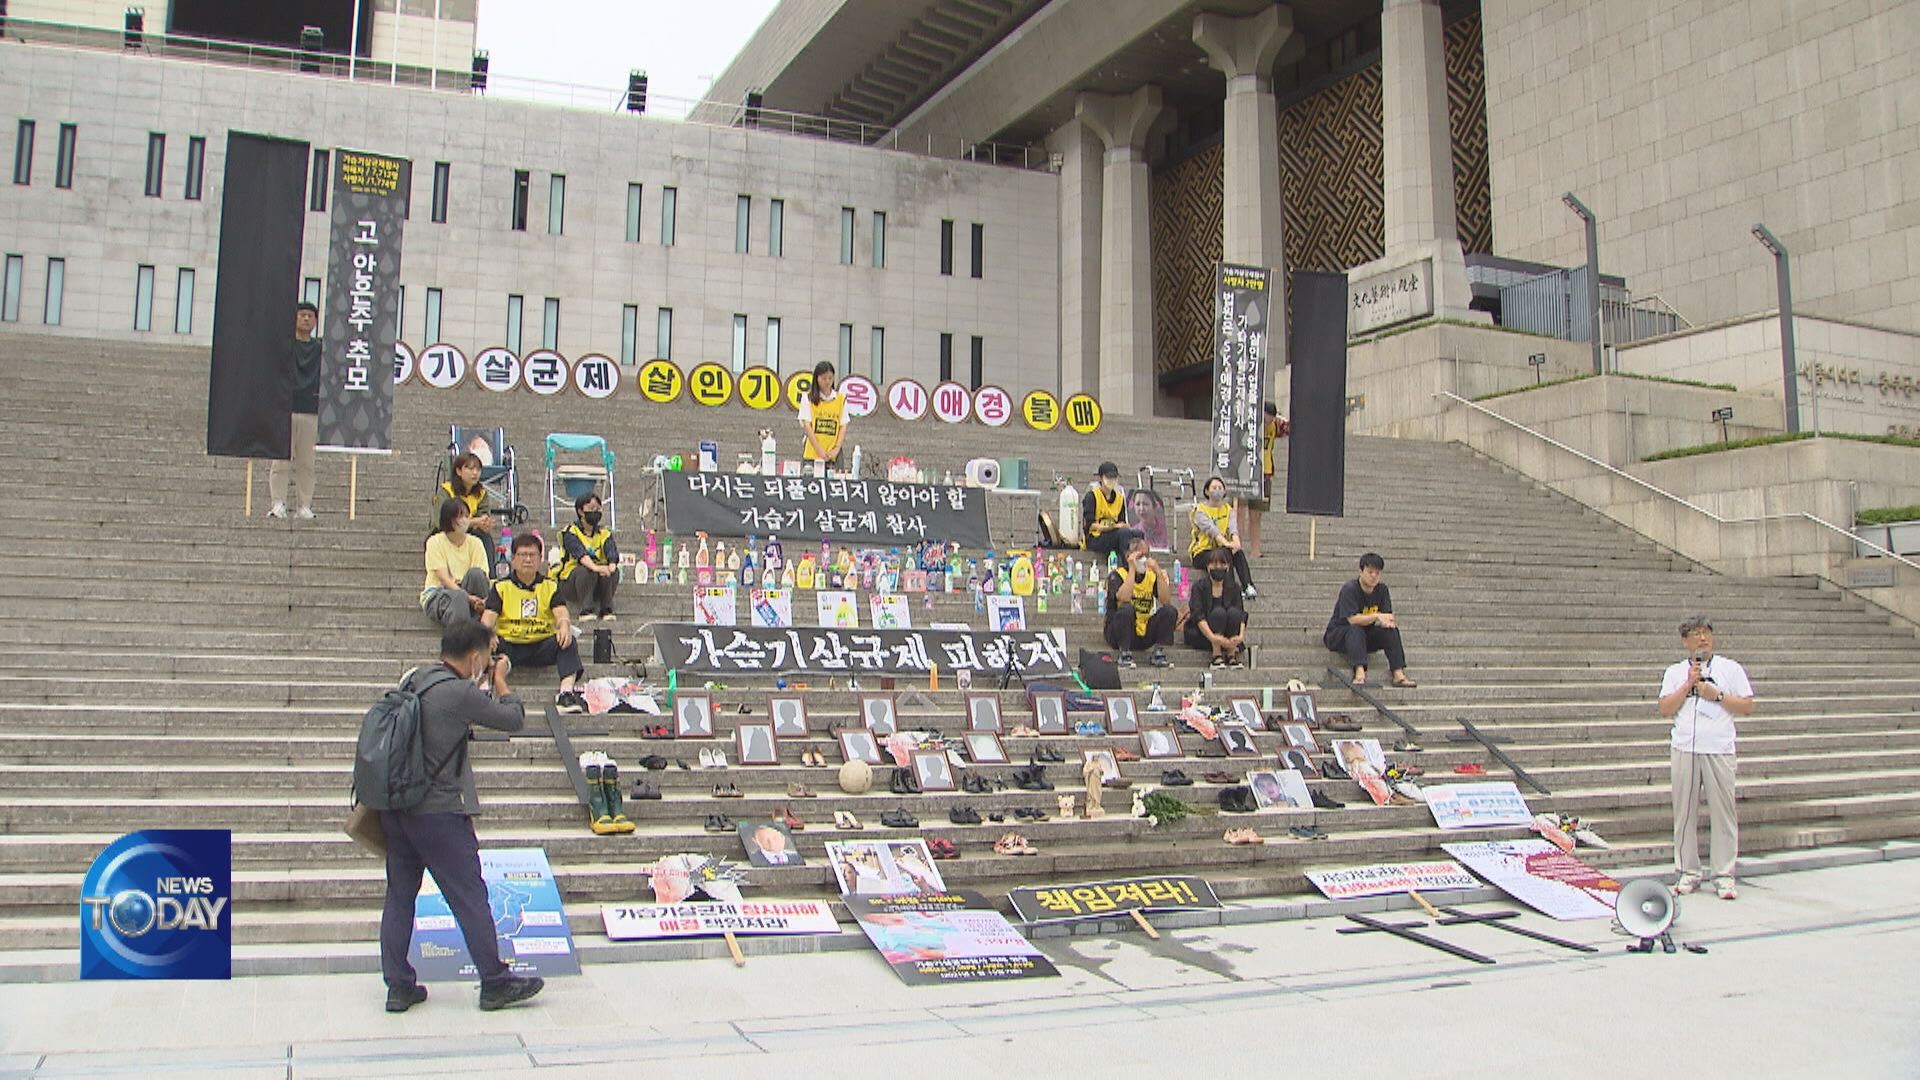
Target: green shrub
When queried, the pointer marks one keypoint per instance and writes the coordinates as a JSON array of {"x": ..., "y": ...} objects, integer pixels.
[
  {"x": 1887, "y": 515},
  {"x": 1768, "y": 440}
]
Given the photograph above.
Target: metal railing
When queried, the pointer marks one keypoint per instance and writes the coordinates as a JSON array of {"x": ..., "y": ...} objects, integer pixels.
[
  {"x": 1553, "y": 304},
  {"x": 1798, "y": 515}
]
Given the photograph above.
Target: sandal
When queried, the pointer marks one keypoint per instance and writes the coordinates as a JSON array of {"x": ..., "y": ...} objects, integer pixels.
[
  {"x": 1014, "y": 844},
  {"x": 1471, "y": 768},
  {"x": 942, "y": 848},
  {"x": 786, "y": 817},
  {"x": 899, "y": 819},
  {"x": 1403, "y": 683},
  {"x": 800, "y": 791},
  {"x": 1242, "y": 837},
  {"x": 1123, "y": 754},
  {"x": 844, "y": 819}
]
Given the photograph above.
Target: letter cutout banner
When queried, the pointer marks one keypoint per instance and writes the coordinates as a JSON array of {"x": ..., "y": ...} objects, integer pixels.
[
  {"x": 797, "y": 508},
  {"x": 686, "y": 647}
]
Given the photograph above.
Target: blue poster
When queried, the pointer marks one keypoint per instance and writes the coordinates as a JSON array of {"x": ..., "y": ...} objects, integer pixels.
[{"x": 527, "y": 916}]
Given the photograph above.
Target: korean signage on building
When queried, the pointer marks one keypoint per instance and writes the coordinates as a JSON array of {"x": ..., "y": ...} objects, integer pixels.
[{"x": 1389, "y": 297}]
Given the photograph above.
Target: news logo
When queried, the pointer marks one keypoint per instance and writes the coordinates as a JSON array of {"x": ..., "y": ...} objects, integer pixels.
[{"x": 156, "y": 904}]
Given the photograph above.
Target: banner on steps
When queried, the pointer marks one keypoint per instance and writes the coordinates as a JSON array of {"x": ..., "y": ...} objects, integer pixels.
[
  {"x": 690, "y": 648},
  {"x": 1242, "y": 307},
  {"x": 362, "y": 317},
  {"x": 810, "y": 508}
]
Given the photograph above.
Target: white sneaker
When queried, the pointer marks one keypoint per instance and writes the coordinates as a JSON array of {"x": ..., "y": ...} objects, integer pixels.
[
  {"x": 279, "y": 510},
  {"x": 1725, "y": 888},
  {"x": 305, "y": 513},
  {"x": 1687, "y": 885}
]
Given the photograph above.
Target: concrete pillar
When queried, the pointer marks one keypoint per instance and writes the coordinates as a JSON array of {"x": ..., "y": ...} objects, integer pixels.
[
  {"x": 1081, "y": 180},
  {"x": 1127, "y": 383},
  {"x": 1245, "y": 51}
]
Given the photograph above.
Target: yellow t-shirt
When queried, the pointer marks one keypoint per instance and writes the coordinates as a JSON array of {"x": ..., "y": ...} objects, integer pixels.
[
  {"x": 1222, "y": 520},
  {"x": 456, "y": 561}
]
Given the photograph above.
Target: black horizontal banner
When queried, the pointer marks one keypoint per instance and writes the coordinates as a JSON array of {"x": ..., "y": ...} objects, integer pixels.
[
  {"x": 717, "y": 650},
  {"x": 810, "y": 508}
]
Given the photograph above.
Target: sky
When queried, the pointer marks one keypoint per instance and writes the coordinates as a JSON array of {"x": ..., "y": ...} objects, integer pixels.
[{"x": 682, "y": 45}]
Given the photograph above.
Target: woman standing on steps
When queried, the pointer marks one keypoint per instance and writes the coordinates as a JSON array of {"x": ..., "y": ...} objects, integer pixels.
[
  {"x": 457, "y": 582},
  {"x": 823, "y": 418}
]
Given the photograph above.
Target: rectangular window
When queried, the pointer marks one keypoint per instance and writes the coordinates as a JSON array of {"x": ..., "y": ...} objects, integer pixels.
[
  {"x": 432, "y": 325},
  {"x": 516, "y": 309},
  {"x": 633, "y": 213},
  {"x": 663, "y": 334},
  {"x": 846, "y": 237},
  {"x": 739, "y": 344},
  {"x": 157, "y": 164},
  {"x": 183, "y": 303},
  {"x": 63, "y": 161},
  {"x": 316, "y": 181},
  {"x": 556, "y": 205},
  {"x": 879, "y": 239},
  {"x": 310, "y": 291},
  {"x": 777, "y": 227},
  {"x": 979, "y": 249},
  {"x": 23, "y": 154},
  {"x": 773, "y": 343},
  {"x": 979, "y": 361},
  {"x": 846, "y": 347},
  {"x": 877, "y": 362},
  {"x": 550, "y": 324},
  {"x": 10, "y": 288},
  {"x": 669, "y": 206},
  {"x": 56, "y": 291},
  {"x": 946, "y": 357},
  {"x": 143, "y": 299},
  {"x": 196, "y": 167},
  {"x": 629, "y": 334},
  {"x": 522, "y": 181},
  {"x": 442, "y": 179},
  {"x": 946, "y": 248},
  {"x": 742, "y": 219}
]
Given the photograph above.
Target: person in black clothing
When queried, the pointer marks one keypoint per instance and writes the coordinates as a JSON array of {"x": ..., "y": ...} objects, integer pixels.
[
  {"x": 438, "y": 834},
  {"x": 1103, "y": 513},
  {"x": 1216, "y": 610},
  {"x": 1363, "y": 622},
  {"x": 306, "y": 419},
  {"x": 1140, "y": 607}
]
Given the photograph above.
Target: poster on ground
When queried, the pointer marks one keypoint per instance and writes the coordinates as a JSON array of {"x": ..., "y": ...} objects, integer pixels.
[
  {"x": 652, "y": 922},
  {"x": 527, "y": 917},
  {"x": 1541, "y": 876},
  {"x": 1391, "y": 878},
  {"x": 1099, "y": 899},
  {"x": 936, "y": 938},
  {"x": 1471, "y": 806},
  {"x": 883, "y": 868}
]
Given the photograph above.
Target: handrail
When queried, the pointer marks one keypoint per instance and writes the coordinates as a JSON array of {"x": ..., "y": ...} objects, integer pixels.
[{"x": 1671, "y": 497}]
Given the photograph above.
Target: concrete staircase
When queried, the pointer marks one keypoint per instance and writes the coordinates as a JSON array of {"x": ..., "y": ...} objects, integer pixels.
[{"x": 167, "y": 661}]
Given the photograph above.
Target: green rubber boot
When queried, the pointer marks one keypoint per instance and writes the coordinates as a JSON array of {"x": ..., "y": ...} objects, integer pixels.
[
  {"x": 598, "y": 818},
  {"x": 616, "y": 806}
]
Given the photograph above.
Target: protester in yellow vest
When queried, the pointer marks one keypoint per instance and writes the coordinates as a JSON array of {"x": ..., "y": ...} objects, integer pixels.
[
  {"x": 591, "y": 570},
  {"x": 1213, "y": 528},
  {"x": 1103, "y": 513},
  {"x": 823, "y": 417},
  {"x": 1272, "y": 429},
  {"x": 464, "y": 484},
  {"x": 527, "y": 612},
  {"x": 1140, "y": 609}
]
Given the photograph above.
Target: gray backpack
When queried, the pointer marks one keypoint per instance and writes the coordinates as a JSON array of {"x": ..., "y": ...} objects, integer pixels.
[{"x": 389, "y": 766}]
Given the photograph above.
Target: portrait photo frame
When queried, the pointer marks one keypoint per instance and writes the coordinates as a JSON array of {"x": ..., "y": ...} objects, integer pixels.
[
  {"x": 1245, "y": 710},
  {"x": 756, "y": 744},
  {"x": 693, "y": 715},
  {"x": 934, "y": 771},
  {"x": 1109, "y": 765},
  {"x": 1050, "y": 712},
  {"x": 983, "y": 712},
  {"x": 1300, "y": 761},
  {"x": 1237, "y": 741},
  {"x": 1159, "y": 742},
  {"x": 858, "y": 744},
  {"x": 880, "y": 713},
  {"x": 985, "y": 748},
  {"x": 1301, "y": 707},
  {"x": 789, "y": 713},
  {"x": 1123, "y": 713},
  {"x": 1300, "y": 737}
]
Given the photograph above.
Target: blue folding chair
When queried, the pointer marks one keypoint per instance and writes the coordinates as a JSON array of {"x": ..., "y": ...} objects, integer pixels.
[{"x": 568, "y": 481}]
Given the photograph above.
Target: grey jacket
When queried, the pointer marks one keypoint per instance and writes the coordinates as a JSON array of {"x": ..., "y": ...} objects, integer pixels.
[{"x": 448, "y": 712}]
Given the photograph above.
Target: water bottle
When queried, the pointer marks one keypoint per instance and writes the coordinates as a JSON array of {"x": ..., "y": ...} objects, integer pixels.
[{"x": 856, "y": 461}]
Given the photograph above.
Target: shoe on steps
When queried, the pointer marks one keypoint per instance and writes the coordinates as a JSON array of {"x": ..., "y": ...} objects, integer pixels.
[
  {"x": 1125, "y": 660},
  {"x": 1687, "y": 885},
  {"x": 509, "y": 991},
  {"x": 1724, "y": 888},
  {"x": 1159, "y": 659},
  {"x": 400, "y": 999},
  {"x": 569, "y": 702},
  {"x": 1323, "y": 801}
]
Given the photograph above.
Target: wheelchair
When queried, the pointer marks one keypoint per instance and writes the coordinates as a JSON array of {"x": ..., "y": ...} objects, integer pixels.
[{"x": 498, "y": 476}]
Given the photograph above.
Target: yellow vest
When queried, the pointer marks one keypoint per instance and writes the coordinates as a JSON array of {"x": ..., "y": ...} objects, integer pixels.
[
  {"x": 1108, "y": 509},
  {"x": 473, "y": 499},
  {"x": 826, "y": 426},
  {"x": 595, "y": 543},
  {"x": 1143, "y": 601},
  {"x": 1268, "y": 429},
  {"x": 526, "y": 611},
  {"x": 1222, "y": 520}
]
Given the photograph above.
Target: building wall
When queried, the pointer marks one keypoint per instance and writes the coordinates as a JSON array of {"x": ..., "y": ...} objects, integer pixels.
[
  {"x": 1683, "y": 122},
  {"x": 106, "y": 227},
  {"x": 103, "y": 14}
]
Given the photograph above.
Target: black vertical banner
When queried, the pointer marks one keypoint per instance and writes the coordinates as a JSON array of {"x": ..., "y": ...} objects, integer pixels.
[
  {"x": 1241, "y": 306},
  {"x": 257, "y": 285},
  {"x": 363, "y": 302},
  {"x": 1317, "y": 442}
]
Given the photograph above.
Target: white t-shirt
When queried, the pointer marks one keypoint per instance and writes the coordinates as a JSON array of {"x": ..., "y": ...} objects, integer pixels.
[{"x": 1702, "y": 726}]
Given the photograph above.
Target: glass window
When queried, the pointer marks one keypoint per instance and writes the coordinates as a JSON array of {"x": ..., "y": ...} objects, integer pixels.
[
  {"x": 739, "y": 344},
  {"x": 10, "y": 288},
  {"x": 63, "y": 163},
  {"x": 879, "y": 239},
  {"x": 196, "y": 166},
  {"x": 516, "y": 308},
  {"x": 669, "y": 206},
  {"x": 56, "y": 291},
  {"x": 522, "y": 181},
  {"x": 157, "y": 164},
  {"x": 979, "y": 359},
  {"x": 432, "y": 324},
  {"x": 442, "y": 179},
  {"x": 663, "y": 335},
  {"x": 946, "y": 248},
  {"x": 310, "y": 291},
  {"x": 979, "y": 248},
  {"x": 23, "y": 154},
  {"x": 183, "y": 303},
  {"x": 629, "y": 334},
  {"x": 877, "y": 362},
  {"x": 557, "y": 205},
  {"x": 316, "y": 180},
  {"x": 633, "y": 213},
  {"x": 550, "y": 324},
  {"x": 946, "y": 357},
  {"x": 846, "y": 238},
  {"x": 142, "y": 299},
  {"x": 773, "y": 343},
  {"x": 846, "y": 348},
  {"x": 742, "y": 219},
  {"x": 776, "y": 227}
]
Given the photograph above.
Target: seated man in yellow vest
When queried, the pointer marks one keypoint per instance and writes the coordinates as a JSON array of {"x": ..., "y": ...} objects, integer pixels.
[
  {"x": 1213, "y": 528},
  {"x": 527, "y": 612},
  {"x": 1103, "y": 513},
  {"x": 1140, "y": 607},
  {"x": 591, "y": 570}
]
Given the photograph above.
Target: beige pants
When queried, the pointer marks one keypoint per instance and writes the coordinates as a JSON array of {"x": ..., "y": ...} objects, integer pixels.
[
  {"x": 1714, "y": 773},
  {"x": 306, "y": 431}
]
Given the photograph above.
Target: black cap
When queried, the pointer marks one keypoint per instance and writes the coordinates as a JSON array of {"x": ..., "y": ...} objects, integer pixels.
[
  {"x": 1107, "y": 468},
  {"x": 1272, "y": 409}
]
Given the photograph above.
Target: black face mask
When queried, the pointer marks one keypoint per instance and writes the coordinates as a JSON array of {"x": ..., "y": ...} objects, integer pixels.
[
  {"x": 592, "y": 518},
  {"x": 1217, "y": 574}
]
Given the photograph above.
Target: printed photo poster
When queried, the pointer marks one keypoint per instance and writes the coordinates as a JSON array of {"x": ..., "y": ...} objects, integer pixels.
[
  {"x": 715, "y": 607},
  {"x": 652, "y": 922},
  {"x": 1541, "y": 876},
  {"x": 1283, "y": 789},
  {"x": 1467, "y": 806},
  {"x": 932, "y": 939},
  {"x": 769, "y": 843},
  {"x": 772, "y": 608},
  {"x": 839, "y": 609},
  {"x": 1391, "y": 878},
  {"x": 890, "y": 612},
  {"x": 1005, "y": 613},
  {"x": 883, "y": 868},
  {"x": 1352, "y": 753},
  {"x": 527, "y": 916}
]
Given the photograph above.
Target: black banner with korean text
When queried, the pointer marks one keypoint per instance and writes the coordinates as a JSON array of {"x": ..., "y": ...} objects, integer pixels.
[
  {"x": 1242, "y": 305},
  {"x": 688, "y": 647},
  {"x": 1097, "y": 899},
  {"x": 363, "y": 302},
  {"x": 251, "y": 374},
  {"x": 809, "y": 508}
]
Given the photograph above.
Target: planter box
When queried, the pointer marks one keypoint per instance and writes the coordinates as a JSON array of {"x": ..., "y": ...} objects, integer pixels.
[{"x": 1899, "y": 537}]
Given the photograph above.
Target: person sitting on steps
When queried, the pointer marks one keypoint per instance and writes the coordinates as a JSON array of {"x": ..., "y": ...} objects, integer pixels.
[
  {"x": 464, "y": 484},
  {"x": 535, "y": 630},
  {"x": 1363, "y": 622},
  {"x": 457, "y": 581},
  {"x": 591, "y": 570},
  {"x": 1216, "y": 615},
  {"x": 1140, "y": 609},
  {"x": 1103, "y": 513},
  {"x": 1213, "y": 531}
]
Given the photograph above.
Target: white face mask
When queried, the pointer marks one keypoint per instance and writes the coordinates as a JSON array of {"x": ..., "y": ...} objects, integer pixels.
[{"x": 1216, "y": 494}]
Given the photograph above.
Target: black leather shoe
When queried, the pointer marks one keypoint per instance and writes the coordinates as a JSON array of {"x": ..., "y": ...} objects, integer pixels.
[
  {"x": 1175, "y": 778},
  {"x": 509, "y": 991},
  {"x": 1324, "y": 801},
  {"x": 1035, "y": 779},
  {"x": 400, "y": 1000}
]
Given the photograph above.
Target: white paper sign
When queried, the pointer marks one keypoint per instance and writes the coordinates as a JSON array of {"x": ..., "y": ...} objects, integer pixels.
[
  {"x": 715, "y": 607},
  {"x": 1006, "y": 613},
  {"x": 772, "y": 608},
  {"x": 631, "y": 922},
  {"x": 1390, "y": 878},
  {"x": 838, "y": 608},
  {"x": 1542, "y": 877},
  {"x": 890, "y": 612},
  {"x": 1468, "y": 806}
]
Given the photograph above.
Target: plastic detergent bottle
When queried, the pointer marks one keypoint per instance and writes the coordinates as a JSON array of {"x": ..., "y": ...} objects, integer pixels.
[
  {"x": 774, "y": 561},
  {"x": 805, "y": 576},
  {"x": 766, "y": 454},
  {"x": 703, "y": 563},
  {"x": 733, "y": 559},
  {"x": 653, "y": 548},
  {"x": 1022, "y": 575},
  {"x": 746, "y": 564},
  {"x": 856, "y": 461}
]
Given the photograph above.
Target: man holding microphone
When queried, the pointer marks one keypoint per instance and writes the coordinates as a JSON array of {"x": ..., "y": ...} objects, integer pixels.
[{"x": 1703, "y": 693}]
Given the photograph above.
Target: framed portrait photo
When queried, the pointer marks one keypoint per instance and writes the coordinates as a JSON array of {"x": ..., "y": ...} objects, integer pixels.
[
  {"x": 1300, "y": 707},
  {"x": 983, "y": 712},
  {"x": 1123, "y": 714},
  {"x": 1245, "y": 710},
  {"x": 985, "y": 748},
  {"x": 1050, "y": 713},
  {"x": 858, "y": 744},
  {"x": 693, "y": 715},
  {"x": 756, "y": 744},
  {"x": 1237, "y": 741},
  {"x": 879, "y": 714},
  {"x": 1300, "y": 737},
  {"x": 789, "y": 712},
  {"x": 1159, "y": 743},
  {"x": 934, "y": 772},
  {"x": 1297, "y": 760}
]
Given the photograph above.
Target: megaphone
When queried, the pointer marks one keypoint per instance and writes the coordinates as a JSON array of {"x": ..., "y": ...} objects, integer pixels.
[
  {"x": 1646, "y": 910},
  {"x": 983, "y": 473}
]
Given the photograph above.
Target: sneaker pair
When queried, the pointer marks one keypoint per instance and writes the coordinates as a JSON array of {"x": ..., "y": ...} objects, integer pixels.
[
  {"x": 279, "y": 511},
  {"x": 1126, "y": 660},
  {"x": 571, "y": 702},
  {"x": 1159, "y": 658},
  {"x": 1219, "y": 661}
]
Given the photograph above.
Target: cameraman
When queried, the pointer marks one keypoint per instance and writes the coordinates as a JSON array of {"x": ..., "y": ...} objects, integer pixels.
[
  {"x": 438, "y": 834},
  {"x": 1703, "y": 693}
]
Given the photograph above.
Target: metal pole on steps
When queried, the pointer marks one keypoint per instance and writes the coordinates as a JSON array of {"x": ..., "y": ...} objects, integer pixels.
[
  {"x": 353, "y": 486},
  {"x": 248, "y": 507},
  {"x": 1313, "y": 536},
  {"x": 1593, "y": 274}
]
